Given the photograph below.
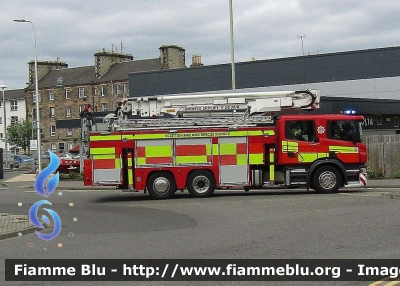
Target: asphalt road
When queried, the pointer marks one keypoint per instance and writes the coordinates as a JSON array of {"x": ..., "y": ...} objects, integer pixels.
[{"x": 258, "y": 224}]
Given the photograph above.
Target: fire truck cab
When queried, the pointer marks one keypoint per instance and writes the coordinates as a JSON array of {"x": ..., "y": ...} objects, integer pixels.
[
  {"x": 161, "y": 156},
  {"x": 326, "y": 154}
]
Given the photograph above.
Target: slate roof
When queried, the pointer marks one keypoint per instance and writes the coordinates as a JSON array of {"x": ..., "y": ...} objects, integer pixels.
[
  {"x": 120, "y": 71},
  {"x": 86, "y": 74},
  {"x": 14, "y": 94},
  {"x": 70, "y": 76}
]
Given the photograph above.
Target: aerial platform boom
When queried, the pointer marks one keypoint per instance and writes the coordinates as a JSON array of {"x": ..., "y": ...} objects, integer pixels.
[{"x": 233, "y": 104}]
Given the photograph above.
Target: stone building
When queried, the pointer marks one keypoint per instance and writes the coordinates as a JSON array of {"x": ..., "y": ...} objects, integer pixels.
[{"x": 65, "y": 91}]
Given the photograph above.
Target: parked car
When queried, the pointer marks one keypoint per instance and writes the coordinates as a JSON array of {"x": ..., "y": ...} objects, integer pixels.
[
  {"x": 20, "y": 159},
  {"x": 66, "y": 156},
  {"x": 10, "y": 162},
  {"x": 45, "y": 155}
]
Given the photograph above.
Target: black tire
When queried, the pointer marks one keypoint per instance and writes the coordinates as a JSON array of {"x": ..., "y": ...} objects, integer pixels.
[
  {"x": 327, "y": 179},
  {"x": 161, "y": 185},
  {"x": 201, "y": 184}
]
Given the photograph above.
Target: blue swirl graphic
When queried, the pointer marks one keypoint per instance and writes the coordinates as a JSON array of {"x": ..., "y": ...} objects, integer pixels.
[
  {"x": 55, "y": 217},
  {"x": 45, "y": 173}
]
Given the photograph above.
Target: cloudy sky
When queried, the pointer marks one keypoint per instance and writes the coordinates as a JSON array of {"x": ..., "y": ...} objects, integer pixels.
[{"x": 263, "y": 29}]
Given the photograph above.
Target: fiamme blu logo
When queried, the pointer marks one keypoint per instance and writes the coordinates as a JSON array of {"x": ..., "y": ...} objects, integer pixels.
[{"x": 46, "y": 177}]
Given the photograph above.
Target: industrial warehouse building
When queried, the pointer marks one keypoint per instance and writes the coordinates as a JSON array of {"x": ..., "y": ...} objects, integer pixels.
[{"x": 365, "y": 81}]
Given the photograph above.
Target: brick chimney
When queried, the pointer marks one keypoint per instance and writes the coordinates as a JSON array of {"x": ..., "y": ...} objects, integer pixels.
[
  {"x": 172, "y": 57},
  {"x": 196, "y": 61},
  {"x": 43, "y": 67},
  {"x": 104, "y": 60}
]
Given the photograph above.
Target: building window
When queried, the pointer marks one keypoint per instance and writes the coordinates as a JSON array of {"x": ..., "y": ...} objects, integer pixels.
[
  {"x": 1, "y": 103},
  {"x": 61, "y": 146},
  {"x": 82, "y": 92},
  {"x": 34, "y": 97},
  {"x": 103, "y": 90},
  {"x": 395, "y": 121},
  {"x": 60, "y": 81},
  {"x": 119, "y": 89},
  {"x": 70, "y": 145},
  {"x": 69, "y": 131},
  {"x": 1, "y": 120},
  {"x": 13, "y": 105},
  {"x": 68, "y": 93},
  {"x": 34, "y": 113},
  {"x": 53, "y": 147},
  {"x": 104, "y": 107},
  {"x": 81, "y": 108},
  {"x": 126, "y": 88},
  {"x": 379, "y": 120},
  {"x": 68, "y": 111},
  {"x": 52, "y": 112},
  {"x": 1, "y": 135},
  {"x": 14, "y": 120},
  {"x": 52, "y": 130},
  {"x": 51, "y": 95}
]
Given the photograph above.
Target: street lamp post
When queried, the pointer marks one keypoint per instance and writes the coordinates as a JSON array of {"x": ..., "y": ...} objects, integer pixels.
[
  {"x": 37, "y": 99},
  {"x": 5, "y": 124},
  {"x": 232, "y": 47}
]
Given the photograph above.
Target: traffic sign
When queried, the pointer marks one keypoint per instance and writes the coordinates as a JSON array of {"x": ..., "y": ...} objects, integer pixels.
[{"x": 34, "y": 145}]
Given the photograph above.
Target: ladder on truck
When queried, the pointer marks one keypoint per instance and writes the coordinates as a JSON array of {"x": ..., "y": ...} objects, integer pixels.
[
  {"x": 205, "y": 110},
  {"x": 165, "y": 123},
  {"x": 215, "y": 104}
]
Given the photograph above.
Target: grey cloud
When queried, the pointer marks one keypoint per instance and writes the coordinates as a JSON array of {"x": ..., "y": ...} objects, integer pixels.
[{"x": 74, "y": 30}]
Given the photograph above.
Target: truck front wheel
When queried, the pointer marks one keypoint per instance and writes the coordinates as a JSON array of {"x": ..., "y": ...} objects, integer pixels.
[
  {"x": 161, "y": 185},
  {"x": 327, "y": 179},
  {"x": 201, "y": 184}
]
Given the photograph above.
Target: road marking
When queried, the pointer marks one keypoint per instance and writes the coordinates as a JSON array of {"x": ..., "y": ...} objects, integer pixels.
[
  {"x": 379, "y": 281},
  {"x": 391, "y": 283}
]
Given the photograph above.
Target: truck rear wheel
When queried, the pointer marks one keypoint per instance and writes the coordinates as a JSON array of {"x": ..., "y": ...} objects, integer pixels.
[
  {"x": 201, "y": 184},
  {"x": 327, "y": 179},
  {"x": 161, "y": 185}
]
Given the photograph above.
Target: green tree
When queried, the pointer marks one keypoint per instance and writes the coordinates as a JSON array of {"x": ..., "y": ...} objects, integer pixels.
[{"x": 20, "y": 134}]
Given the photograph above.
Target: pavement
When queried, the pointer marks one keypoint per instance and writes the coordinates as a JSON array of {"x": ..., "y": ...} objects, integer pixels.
[{"x": 12, "y": 225}]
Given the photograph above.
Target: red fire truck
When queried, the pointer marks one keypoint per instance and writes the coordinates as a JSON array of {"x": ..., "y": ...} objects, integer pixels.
[{"x": 217, "y": 141}]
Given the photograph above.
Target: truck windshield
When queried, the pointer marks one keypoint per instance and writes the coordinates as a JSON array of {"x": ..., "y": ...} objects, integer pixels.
[{"x": 346, "y": 130}]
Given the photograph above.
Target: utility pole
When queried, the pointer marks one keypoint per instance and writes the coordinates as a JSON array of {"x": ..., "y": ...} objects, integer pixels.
[
  {"x": 301, "y": 38},
  {"x": 2, "y": 86}
]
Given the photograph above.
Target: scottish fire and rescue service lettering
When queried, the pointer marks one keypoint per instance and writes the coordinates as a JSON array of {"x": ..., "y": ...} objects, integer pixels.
[{"x": 197, "y": 134}]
